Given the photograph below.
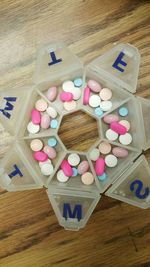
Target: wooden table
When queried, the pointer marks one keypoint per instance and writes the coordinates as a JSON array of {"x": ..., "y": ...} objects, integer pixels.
[{"x": 117, "y": 234}]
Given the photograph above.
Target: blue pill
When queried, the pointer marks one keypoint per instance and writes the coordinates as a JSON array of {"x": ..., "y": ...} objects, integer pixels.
[
  {"x": 102, "y": 177},
  {"x": 52, "y": 142},
  {"x": 123, "y": 111},
  {"x": 74, "y": 172},
  {"x": 98, "y": 112},
  {"x": 78, "y": 82},
  {"x": 53, "y": 124}
]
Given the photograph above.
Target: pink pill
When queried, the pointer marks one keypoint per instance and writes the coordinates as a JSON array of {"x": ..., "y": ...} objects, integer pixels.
[
  {"x": 94, "y": 86},
  {"x": 45, "y": 121},
  {"x": 35, "y": 116},
  {"x": 51, "y": 93},
  {"x": 50, "y": 151},
  {"x": 86, "y": 95},
  {"x": 66, "y": 168},
  {"x": 40, "y": 156},
  {"x": 83, "y": 167},
  {"x": 120, "y": 152},
  {"x": 110, "y": 118},
  {"x": 118, "y": 128},
  {"x": 99, "y": 166},
  {"x": 66, "y": 96}
]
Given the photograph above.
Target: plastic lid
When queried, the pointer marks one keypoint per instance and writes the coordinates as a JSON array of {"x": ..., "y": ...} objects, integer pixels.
[{"x": 121, "y": 64}]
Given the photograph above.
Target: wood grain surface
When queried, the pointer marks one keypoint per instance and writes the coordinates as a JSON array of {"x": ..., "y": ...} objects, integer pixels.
[{"x": 117, "y": 234}]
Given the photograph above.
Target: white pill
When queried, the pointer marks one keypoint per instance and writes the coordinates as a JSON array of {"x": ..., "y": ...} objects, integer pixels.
[
  {"x": 67, "y": 86},
  {"x": 111, "y": 160},
  {"x": 105, "y": 105},
  {"x": 125, "y": 139},
  {"x": 94, "y": 154},
  {"x": 33, "y": 128},
  {"x": 76, "y": 93},
  {"x": 61, "y": 177},
  {"x": 111, "y": 135},
  {"x": 94, "y": 101},
  {"x": 51, "y": 112},
  {"x": 126, "y": 124},
  {"x": 73, "y": 159},
  {"x": 48, "y": 161},
  {"x": 47, "y": 169}
]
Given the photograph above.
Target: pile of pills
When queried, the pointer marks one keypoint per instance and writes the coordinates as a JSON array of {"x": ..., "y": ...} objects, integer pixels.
[
  {"x": 74, "y": 166},
  {"x": 119, "y": 126},
  {"x": 97, "y": 97},
  {"x": 43, "y": 117},
  {"x": 44, "y": 154},
  {"x": 106, "y": 155}
]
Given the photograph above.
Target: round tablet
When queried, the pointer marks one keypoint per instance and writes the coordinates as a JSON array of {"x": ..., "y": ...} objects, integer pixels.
[
  {"x": 125, "y": 139},
  {"x": 36, "y": 145},
  {"x": 126, "y": 124},
  {"x": 111, "y": 135},
  {"x": 76, "y": 93},
  {"x": 87, "y": 178},
  {"x": 70, "y": 105},
  {"x": 78, "y": 82},
  {"x": 111, "y": 160},
  {"x": 53, "y": 124},
  {"x": 73, "y": 159},
  {"x": 105, "y": 94},
  {"x": 67, "y": 86},
  {"x": 47, "y": 169},
  {"x": 94, "y": 101},
  {"x": 52, "y": 142},
  {"x": 98, "y": 112},
  {"x": 94, "y": 154},
  {"x": 74, "y": 172},
  {"x": 61, "y": 177},
  {"x": 41, "y": 105},
  {"x": 33, "y": 128},
  {"x": 102, "y": 177},
  {"x": 104, "y": 148},
  {"x": 123, "y": 111},
  {"x": 51, "y": 112},
  {"x": 48, "y": 161},
  {"x": 106, "y": 105}
]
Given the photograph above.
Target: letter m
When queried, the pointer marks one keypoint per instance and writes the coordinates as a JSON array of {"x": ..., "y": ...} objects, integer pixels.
[
  {"x": 8, "y": 106},
  {"x": 76, "y": 213}
]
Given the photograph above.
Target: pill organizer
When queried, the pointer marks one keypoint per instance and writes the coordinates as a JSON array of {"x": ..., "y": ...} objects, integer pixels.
[{"x": 74, "y": 201}]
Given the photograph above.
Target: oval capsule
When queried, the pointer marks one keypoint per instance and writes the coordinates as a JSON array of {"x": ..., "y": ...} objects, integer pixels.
[
  {"x": 66, "y": 168},
  {"x": 35, "y": 116},
  {"x": 118, "y": 128},
  {"x": 99, "y": 166}
]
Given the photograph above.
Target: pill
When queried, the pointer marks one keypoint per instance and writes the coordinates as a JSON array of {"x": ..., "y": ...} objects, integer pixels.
[
  {"x": 125, "y": 139},
  {"x": 111, "y": 161},
  {"x": 61, "y": 177},
  {"x": 70, "y": 105},
  {"x": 50, "y": 151},
  {"x": 47, "y": 169},
  {"x": 45, "y": 121},
  {"x": 94, "y": 86},
  {"x": 53, "y": 124},
  {"x": 41, "y": 105},
  {"x": 76, "y": 93},
  {"x": 44, "y": 162},
  {"x": 51, "y": 112},
  {"x": 74, "y": 172},
  {"x": 78, "y": 82},
  {"x": 94, "y": 154},
  {"x": 99, "y": 166},
  {"x": 111, "y": 135},
  {"x": 102, "y": 177},
  {"x": 51, "y": 93},
  {"x": 83, "y": 167},
  {"x": 33, "y": 128},
  {"x": 104, "y": 147},
  {"x": 110, "y": 118},
  {"x": 66, "y": 168},
  {"x": 36, "y": 145},
  {"x": 123, "y": 111},
  {"x": 126, "y": 124},
  {"x": 67, "y": 86},
  {"x": 40, "y": 156},
  {"x": 118, "y": 128},
  {"x": 87, "y": 178},
  {"x": 73, "y": 159},
  {"x": 105, "y": 94},
  {"x": 94, "y": 101},
  {"x": 120, "y": 152},
  {"x": 35, "y": 116},
  {"x": 98, "y": 112},
  {"x": 106, "y": 105},
  {"x": 86, "y": 96},
  {"x": 52, "y": 142},
  {"x": 66, "y": 96}
]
